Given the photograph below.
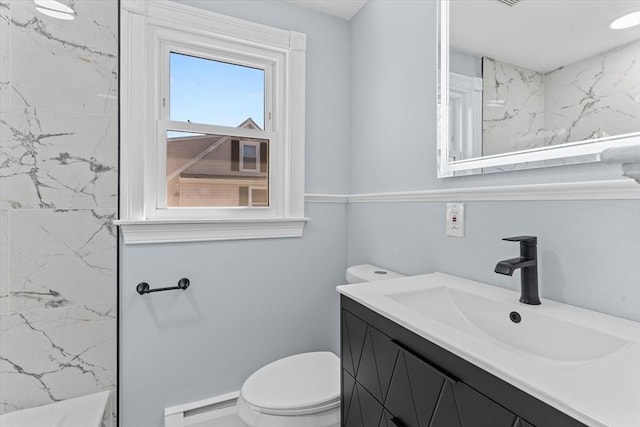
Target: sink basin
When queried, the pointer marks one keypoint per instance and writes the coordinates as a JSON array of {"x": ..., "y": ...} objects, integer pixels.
[{"x": 537, "y": 333}]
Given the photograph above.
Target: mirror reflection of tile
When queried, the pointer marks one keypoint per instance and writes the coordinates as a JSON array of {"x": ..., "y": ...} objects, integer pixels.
[{"x": 592, "y": 98}]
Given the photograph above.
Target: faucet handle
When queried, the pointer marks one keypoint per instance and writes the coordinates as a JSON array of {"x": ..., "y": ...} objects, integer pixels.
[{"x": 524, "y": 240}]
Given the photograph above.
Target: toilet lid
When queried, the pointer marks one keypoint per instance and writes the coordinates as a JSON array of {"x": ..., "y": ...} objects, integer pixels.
[{"x": 296, "y": 385}]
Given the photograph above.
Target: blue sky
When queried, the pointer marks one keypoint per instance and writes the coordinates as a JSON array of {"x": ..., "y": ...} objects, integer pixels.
[{"x": 216, "y": 93}]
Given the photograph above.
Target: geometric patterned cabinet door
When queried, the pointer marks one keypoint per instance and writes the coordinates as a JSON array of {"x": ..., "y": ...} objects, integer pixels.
[
  {"x": 414, "y": 391},
  {"x": 387, "y": 385},
  {"x": 353, "y": 332},
  {"x": 476, "y": 410},
  {"x": 422, "y": 396},
  {"x": 363, "y": 410}
]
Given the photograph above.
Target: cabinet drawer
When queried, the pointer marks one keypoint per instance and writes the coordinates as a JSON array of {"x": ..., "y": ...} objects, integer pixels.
[
  {"x": 415, "y": 389},
  {"x": 475, "y": 409},
  {"x": 423, "y": 395}
]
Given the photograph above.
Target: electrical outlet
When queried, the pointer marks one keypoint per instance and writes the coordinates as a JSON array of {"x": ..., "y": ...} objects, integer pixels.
[{"x": 455, "y": 220}]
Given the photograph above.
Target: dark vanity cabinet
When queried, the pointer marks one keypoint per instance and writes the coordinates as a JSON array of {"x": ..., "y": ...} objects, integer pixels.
[{"x": 392, "y": 377}]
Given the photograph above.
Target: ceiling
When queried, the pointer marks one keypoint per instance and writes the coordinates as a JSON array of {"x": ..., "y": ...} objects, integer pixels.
[
  {"x": 344, "y": 9},
  {"x": 540, "y": 35}
]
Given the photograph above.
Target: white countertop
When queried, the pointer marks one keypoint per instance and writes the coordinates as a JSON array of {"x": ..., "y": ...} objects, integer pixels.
[{"x": 604, "y": 392}]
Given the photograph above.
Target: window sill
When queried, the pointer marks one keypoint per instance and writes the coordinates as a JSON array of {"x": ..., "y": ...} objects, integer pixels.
[{"x": 138, "y": 232}]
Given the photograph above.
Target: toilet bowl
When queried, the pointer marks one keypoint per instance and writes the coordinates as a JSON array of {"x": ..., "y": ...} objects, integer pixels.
[{"x": 302, "y": 390}]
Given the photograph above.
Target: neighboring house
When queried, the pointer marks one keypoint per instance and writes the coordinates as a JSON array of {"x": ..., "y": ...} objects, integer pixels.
[{"x": 214, "y": 170}]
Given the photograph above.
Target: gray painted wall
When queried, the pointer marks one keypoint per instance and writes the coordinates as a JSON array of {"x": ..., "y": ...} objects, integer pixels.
[
  {"x": 589, "y": 249},
  {"x": 250, "y": 302}
]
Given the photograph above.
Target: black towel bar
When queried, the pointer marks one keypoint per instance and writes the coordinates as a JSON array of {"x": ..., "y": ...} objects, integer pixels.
[{"x": 144, "y": 288}]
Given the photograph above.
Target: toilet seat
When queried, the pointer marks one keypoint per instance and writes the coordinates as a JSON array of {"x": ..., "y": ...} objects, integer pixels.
[
  {"x": 251, "y": 418},
  {"x": 297, "y": 385}
]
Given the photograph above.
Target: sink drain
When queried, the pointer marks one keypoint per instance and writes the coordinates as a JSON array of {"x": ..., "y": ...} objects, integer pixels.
[{"x": 515, "y": 317}]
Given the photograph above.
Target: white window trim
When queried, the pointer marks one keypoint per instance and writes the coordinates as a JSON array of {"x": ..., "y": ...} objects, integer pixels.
[{"x": 143, "y": 25}]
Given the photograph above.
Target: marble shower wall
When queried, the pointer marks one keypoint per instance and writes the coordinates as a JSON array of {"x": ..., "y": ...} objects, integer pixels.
[
  {"x": 513, "y": 108},
  {"x": 58, "y": 198},
  {"x": 592, "y": 98}
]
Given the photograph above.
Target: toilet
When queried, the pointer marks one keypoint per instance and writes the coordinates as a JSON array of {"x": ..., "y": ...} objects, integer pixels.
[{"x": 302, "y": 390}]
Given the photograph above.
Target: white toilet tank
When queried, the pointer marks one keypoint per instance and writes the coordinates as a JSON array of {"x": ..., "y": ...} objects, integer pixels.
[{"x": 369, "y": 273}]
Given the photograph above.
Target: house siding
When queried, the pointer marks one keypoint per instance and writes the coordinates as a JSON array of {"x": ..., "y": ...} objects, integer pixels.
[
  {"x": 215, "y": 163},
  {"x": 216, "y": 194}
]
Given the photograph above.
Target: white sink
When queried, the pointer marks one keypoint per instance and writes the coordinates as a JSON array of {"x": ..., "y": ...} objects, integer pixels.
[{"x": 536, "y": 333}]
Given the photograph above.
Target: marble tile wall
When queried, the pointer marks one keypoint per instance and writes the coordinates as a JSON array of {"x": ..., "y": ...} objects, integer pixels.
[
  {"x": 592, "y": 98},
  {"x": 513, "y": 107},
  {"x": 58, "y": 198}
]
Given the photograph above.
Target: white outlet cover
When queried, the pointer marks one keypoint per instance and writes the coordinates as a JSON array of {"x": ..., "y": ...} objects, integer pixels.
[{"x": 455, "y": 220}]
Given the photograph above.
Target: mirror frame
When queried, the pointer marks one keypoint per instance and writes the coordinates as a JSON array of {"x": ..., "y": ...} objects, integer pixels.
[{"x": 562, "y": 154}]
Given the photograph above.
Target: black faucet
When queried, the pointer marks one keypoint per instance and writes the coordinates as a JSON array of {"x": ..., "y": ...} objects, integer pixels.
[{"x": 528, "y": 262}]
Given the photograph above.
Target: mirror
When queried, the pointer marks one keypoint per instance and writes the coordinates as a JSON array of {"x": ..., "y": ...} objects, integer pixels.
[{"x": 533, "y": 83}]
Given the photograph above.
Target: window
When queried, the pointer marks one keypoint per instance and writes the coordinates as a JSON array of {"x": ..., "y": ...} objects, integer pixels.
[
  {"x": 253, "y": 196},
  {"x": 208, "y": 171},
  {"x": 213, "y": 139},
  {"x": 250, "y": 157},
  {"x": 205, "y": 90},
  {"x": 209, "y": 99},
  {"x": 465, "y": 123}
]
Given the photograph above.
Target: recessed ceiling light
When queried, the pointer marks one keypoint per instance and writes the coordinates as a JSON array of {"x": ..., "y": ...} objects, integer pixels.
[
  {"x": 54, "y": 9},
  {"x": 626, "y": 21}
]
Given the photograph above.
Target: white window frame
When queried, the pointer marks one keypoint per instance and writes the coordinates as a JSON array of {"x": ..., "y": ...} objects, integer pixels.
[
  {"x": 150, "y": 30},
  {"x": 257, "y": 147}
]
